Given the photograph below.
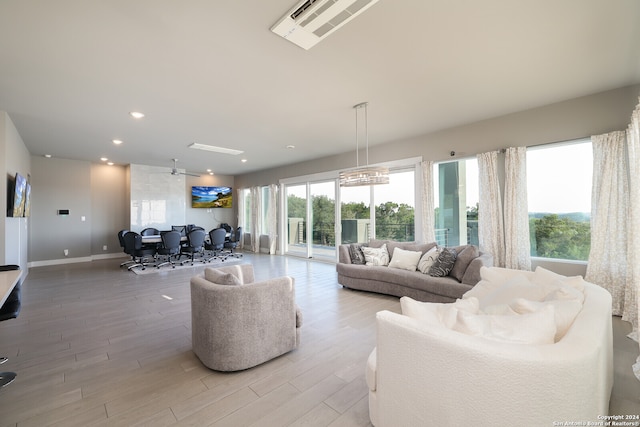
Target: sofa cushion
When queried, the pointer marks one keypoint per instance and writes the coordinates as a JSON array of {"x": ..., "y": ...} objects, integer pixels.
[
  {"x": 564, "y": 312},
  {"x": 356, "y": 254},
  {"x": 376, "y": 256},
  {"x": 427, "y": 260},
  {"x": 544, "y": 277},
  {"x": 444, "y": 263},
  {"x": 405, "y": 260},
  {"x": 538, "y": 327},
  {"x": 518, "y": 286},
  {"x": 216, "y": 276},
  {"x": 463, "y": 259},
  {"x": 432, "y": 313}
]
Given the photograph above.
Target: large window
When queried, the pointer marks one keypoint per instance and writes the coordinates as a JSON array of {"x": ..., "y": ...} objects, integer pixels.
[
  {"x": 559, "y": 193},
  {"x": 395, "y": 207},
  {"x": 456, "y": 195}
]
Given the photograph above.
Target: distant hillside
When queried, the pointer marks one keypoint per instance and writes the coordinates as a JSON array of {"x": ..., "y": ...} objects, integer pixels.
[{"x": 574, "y": 216}]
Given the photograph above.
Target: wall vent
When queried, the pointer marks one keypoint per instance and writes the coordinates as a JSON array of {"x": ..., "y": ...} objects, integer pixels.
[{"x": 312, "y": 20}]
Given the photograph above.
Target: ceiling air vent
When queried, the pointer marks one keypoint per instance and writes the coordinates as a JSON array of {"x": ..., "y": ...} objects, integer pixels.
[{"x": 312, "y": 20}]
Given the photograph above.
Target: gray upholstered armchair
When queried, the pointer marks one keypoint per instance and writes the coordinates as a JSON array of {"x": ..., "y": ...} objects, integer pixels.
[{"x": 236, "y": 323}]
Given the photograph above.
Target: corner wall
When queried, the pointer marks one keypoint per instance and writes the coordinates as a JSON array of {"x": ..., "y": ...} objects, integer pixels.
[{"x": 14, "y": 232}]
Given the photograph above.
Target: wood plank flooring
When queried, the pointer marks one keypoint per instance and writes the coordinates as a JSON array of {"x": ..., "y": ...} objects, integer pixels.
[{"x": 95, "y": 345}]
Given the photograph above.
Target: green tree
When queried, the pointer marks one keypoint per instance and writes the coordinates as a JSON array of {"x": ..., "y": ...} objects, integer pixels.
[
  {"x": 296, "y": 207},
  {"x": 395, "y": 221},
  {"x": 324, "y": 223},
  {"x": 355, "y": 210},
  {"x": 560, "y": 237}
]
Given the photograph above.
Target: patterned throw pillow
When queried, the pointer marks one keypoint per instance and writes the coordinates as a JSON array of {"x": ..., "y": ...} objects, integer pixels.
[
  {"x": 376, "y": 256},
  {"x": 444, "y": 263},
  {"x": 356, "y": 254},
  {"x": 428, "y": 259}
]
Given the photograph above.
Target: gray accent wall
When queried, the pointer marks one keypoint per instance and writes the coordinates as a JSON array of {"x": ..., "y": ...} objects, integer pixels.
[
  {"x": 60, "y": 184},
  {"x": 102, "y": 195}
]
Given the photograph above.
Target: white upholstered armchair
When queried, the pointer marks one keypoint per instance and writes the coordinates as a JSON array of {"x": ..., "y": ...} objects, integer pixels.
[{"x": 238, "y": 323}]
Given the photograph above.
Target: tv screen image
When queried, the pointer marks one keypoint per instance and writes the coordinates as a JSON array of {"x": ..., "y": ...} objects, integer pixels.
[
  {"x": 27, "y": 200},
  {"x": 19, "y": 195},
  {"x": 211, "y": 197}
]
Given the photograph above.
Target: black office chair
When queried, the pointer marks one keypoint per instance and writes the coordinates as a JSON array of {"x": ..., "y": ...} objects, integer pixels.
[
  {"x": 194, "y": 246},
  {"x": 10, "y": 310},
  {"x": 180, "y": 228},
  {"x": 233, "y": 242},
  {"x": 150, "y": 231},
  {"x": 140, "y": 253},
  {"x": 170, "y": 247},
  {"x": 121, "y": 234},
  {"x": 217, "y": 237},
  {"x": 226, "y": 227}
]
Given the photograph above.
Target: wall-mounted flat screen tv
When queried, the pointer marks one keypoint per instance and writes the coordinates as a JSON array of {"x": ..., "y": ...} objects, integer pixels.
[
  {"x": 211, "y": 197},
  {"x": 17, "y": 197}
]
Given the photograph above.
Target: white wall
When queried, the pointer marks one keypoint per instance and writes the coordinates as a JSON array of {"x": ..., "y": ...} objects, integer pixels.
[{"x": 14, "y": 232}]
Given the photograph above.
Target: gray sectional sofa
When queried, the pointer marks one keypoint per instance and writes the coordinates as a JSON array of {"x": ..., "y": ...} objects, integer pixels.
[{"x": 414, "y": 284}]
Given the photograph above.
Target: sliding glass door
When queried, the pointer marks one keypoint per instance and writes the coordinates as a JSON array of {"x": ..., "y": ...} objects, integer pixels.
[
  {"x": 296, "y": 225},
  {"x": 311, "y": 219},
  {"x": 323, "y": 219}
]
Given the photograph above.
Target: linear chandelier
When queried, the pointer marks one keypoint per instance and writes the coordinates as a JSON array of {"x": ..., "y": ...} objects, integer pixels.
[{"x": 367, "y": 175}]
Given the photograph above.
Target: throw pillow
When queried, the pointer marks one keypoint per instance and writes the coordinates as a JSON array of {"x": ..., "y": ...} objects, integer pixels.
[
  {"x": 544, "y": 276},
  {"x": 434, "y": 313},
  {"x": 532, "y": 328},
  {"x": 356, "y": 254},
  {"x": 218, "y": 277},
  {"x": 405, "y": 260},
  {"x": 376, "y": 256},
  {"x": 463, "y": 259},
  {"x": 565, "y": 312},
  {"x": 428, "y": 259},
  {"x": 444, "y": 263},
  {"x": 517, "y": 287}
]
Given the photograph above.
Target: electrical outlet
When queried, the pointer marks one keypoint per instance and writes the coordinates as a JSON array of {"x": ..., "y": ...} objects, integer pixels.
[
  {"x": 66, "y": 252},
  {"x": 104, "y": 248}
]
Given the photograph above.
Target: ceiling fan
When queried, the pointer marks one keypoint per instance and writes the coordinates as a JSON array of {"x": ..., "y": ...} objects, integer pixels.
[{"x": 175, "y": 171}]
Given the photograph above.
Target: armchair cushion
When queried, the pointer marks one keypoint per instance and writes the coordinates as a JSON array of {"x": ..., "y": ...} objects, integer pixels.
[{"x": 216, "y": 276}]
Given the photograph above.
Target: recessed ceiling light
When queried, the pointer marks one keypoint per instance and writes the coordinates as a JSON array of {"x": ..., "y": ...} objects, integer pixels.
[
  {"x": 290, "y": 147},
  {"x": 110, "y": 163},
  {"x": 136, "y": 114},
  {"x": 244, "y": 160},
  {"x": 117, "y": 141},
  {"x": 104, "y": 159},
  {"x": 215, "y": 149},
  {"x": 210, "y": 173},
  {"x": 48, "y": 156}
]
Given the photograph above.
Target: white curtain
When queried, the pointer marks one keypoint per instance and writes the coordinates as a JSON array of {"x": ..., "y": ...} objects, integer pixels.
[
  {"x": 240, "y": 206},
  {"x": 272, "y": 218},
  {"x": 633, "y": 242},
  {"x": 608, "y": 260},
  {"x": 516, "y": 212},
  {"x": 428, "y": 205},
  {"x": 256, "y": 218},
  {"x": 490, "y": 221}
]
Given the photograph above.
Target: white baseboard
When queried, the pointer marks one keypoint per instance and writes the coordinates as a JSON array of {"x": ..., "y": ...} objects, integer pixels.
[{"x": 74, "y": 260}]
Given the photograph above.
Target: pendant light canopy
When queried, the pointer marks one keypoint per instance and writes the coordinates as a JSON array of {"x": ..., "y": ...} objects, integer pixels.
[{"x": 366, "y": 175}]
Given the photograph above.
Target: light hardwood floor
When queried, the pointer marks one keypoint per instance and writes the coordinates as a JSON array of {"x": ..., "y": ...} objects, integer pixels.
[{"x": 97, "y": 345}]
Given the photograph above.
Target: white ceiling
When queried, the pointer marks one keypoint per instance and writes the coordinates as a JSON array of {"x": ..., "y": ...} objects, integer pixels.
[{"x": 212, "y": 72}]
